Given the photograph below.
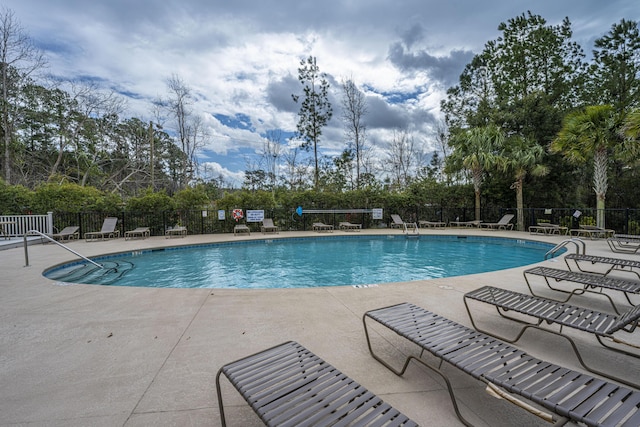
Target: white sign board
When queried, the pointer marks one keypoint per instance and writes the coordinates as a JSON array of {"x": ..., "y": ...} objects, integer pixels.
[
  {"x": 255, "y": 216},
  {"x": 221, "y": 214},
  {"x": 376, "y": 213}
]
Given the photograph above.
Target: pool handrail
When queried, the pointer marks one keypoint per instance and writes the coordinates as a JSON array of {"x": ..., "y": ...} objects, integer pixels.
[
  {"x": 575, "y": 240},
  {"x": 44, "y": 236}
]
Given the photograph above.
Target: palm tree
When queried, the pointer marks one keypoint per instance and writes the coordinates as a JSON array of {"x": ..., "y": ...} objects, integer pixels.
[
  {"x": 475, "y": 150},
  {"x": 590, "y": 134},
  {"x": 522, "y": 156},
  {"x": 631, "y": 126}
]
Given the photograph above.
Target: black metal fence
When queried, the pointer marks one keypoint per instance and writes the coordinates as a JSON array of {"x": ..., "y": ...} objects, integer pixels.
[{"x": 626, "y": 221}]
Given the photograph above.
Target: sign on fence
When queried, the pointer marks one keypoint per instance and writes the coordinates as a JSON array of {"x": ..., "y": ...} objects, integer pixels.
[{"x": 255, "y": 216}]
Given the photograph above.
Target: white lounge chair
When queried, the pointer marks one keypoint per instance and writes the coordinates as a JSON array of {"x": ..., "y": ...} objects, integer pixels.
[
  {"x": 399, "y": 223},
  {"x": 502, "y": 224},
  {"x": 592, "y": 232},
  {"x": 348, "y": 226},
  {"x": 469, "y": 224},
  {"x": 431, "y": 224},
  {"x": 177, "y": 231},
  {"x": 319, "y": 226},
  {"x": 547, "y": 228}
]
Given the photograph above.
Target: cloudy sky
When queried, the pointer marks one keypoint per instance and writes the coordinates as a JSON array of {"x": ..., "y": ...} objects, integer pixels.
[{"x": 240, "y": 58}]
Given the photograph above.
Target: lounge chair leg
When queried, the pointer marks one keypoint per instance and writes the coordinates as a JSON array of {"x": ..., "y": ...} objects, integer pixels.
[
  {"x": 422, "y": 362},
  {"x": 223, "y": 420}
]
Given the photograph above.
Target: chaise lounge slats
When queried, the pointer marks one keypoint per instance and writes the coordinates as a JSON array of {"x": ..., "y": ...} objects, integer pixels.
[
  {"x": 624, "y": 243},
  {"x": 601, "y": 325},
  {"x": 617, "y": 264},
  {"x": 288, "y": 385},
  {"x": 582, "y": 318},
  {"x": 571, "y": 395},
  {"x": 588, "y": 280}
]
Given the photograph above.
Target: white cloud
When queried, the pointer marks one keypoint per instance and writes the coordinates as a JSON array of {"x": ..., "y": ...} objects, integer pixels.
[{"x": 242, "y": 57}]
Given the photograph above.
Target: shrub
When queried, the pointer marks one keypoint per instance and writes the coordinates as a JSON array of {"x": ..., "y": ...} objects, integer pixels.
[
  {"x": 15, "y": 199},
  {"x": 151, "y": 202},
  {"x": 68, "y": 197},
  {"x": 192, "y": 198}
]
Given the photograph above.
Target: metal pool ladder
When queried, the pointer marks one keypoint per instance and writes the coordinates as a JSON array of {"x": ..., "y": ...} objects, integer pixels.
[
  {"x": 44, "y": 236},
  {"x": 579, "y": 243},
  {"x": 411, "y": 232}
]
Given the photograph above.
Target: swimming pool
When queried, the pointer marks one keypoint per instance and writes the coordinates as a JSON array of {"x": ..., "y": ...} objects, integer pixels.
[{"x": 304, "y": 262}]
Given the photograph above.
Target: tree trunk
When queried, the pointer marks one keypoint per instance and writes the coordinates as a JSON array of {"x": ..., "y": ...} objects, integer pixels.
[
  {"x": 477, "y": 183},
  {"x": 600, "y": 184},
  {"x": 600, "y": 213},
  {"x": 519, "y": 206}
]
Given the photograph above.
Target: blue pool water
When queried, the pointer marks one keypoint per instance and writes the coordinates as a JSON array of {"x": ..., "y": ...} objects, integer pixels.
[{"x": 305, "y": 262}]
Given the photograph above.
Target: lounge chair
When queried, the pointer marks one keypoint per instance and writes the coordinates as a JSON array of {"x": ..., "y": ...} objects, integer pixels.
[
  {"x": 550, "y": 312},
  {"x": 348, "y": 226},
  {"x": 624, "y": 243},
  {"x": 268, "y": 226},
  {"x": 241, "y": 228},
  {"x": 431, "y": 224},
  {"x": 399, "y": 223},
  {"x": 573, "y": 396},
  {"x": 475, "y": 223},
  {"x": 68, "y": 233},
  {"x": 589, "y": 281},
  {"x": 547, "y": 228},
  {"x": 138, "y": 233},
  {"x": 176, "y": 231},
  {"x": 503, "y": 224},
  {"x": 610, "y": 264},
  {"x": 592, "y": 232},
  {"x": 108, "y": 231},
  {"x": 289, "y": 385},
  {"x": 319, "y": 227}
]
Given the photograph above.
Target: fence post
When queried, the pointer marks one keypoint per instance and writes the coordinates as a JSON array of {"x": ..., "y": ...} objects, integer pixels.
[
  {"x": 49, "y": 223},
  {"x": 626, "y": 221}
]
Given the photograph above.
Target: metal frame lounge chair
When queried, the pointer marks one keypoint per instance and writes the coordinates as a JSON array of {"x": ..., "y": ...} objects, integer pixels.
[
  {"x": 589, "y": 281},
  {"x": 614, "y": 264},
  {"x": 68, "y": 233},
  {"x": 550, "y": 312},
  {"x": 108, "y": 231},
  {"x": 348, "y": 226},
  {"x": 573, "y": 396},
  {"x": 399, "y": 223},
  {"x": 469, "y": 224},
  {"x": 431, "y": 224},
  {"x": 592, "y": 232},
  {"x": 503, "y": 224},
  {"x": 241, "y": 228},
  {"x": 624, "y": 243},
  {"x": 288, "y": 385},
  {"x": 320, "y": 227},
  {"x": 176, "y": 231},
  {"x": 547, "y": 228},
  {"x": 268, "y": 226},
  {"x": 139, "y": 233}
]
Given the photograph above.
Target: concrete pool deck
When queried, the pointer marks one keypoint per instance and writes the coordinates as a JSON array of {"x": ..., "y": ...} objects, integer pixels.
[{"x": 87, "y": 355}]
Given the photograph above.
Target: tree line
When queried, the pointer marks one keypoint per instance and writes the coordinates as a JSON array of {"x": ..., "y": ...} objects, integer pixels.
[{"x": 531, "y": 121}]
